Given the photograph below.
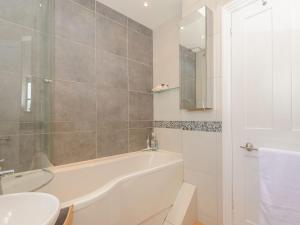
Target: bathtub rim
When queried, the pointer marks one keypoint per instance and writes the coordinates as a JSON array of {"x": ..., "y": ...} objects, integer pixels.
[{"x": 108, "y": 159}]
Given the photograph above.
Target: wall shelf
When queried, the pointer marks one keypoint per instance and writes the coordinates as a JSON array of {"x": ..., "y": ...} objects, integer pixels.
[{"x": 164, "y": 90}]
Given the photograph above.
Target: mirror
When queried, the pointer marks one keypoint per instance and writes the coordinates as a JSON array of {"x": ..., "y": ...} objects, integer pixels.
[{"x": 196, "y": 60}]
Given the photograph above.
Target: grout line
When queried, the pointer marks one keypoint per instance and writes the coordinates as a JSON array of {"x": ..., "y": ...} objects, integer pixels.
[
  {"x": 112, "y": 20},
  {"x": 141, "y": 63},
  {"x": 82, "y": 6},
  {"x": 113, "y": 54},
  {"x": 127, "y": 24},
  {"x": 76, "y": 82},
  {"x": 96, "y": 79},
  {"x": 146, "y": 36},
  {"x": 127, "y": 57},
  {"x": 55, "y": 35},
  {"x": 141, "y": 92},
  {"x": 58, "y": 121},
  {"x": 22, "y": 26},
  {"x": 50, "y": 34},
  {"x": 48, "y": 133},
  {"x": 128, "y": 86},
  {"x": 141, "y": 128}
]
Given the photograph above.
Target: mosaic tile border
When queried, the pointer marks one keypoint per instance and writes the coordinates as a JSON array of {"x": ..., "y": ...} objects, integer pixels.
[{"x": 206, "y": 126}]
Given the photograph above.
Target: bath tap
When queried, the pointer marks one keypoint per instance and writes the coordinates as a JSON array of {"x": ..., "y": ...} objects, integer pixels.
[
  {"x": 152, "y": 143},
  {"x": 2, "y": 174}
]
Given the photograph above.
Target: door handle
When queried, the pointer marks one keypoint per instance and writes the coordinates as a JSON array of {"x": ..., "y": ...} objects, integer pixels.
[{"x": 249, "y": 147}]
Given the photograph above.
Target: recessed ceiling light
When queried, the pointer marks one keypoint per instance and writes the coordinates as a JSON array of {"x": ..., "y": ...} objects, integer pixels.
[
  {"x": 146, "y": 4},
  {"x": 182, "y": 28}
]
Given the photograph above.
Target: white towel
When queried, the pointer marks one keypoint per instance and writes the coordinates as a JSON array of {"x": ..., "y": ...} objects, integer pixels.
[{"x": 279, "y": 187}]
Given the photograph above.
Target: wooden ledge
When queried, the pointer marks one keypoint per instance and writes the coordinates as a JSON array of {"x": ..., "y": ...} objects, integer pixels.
[{"x": 65, "y": 216}]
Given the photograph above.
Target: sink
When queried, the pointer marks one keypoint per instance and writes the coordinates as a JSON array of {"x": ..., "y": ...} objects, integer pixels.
[{"x": 28, "y": 209}]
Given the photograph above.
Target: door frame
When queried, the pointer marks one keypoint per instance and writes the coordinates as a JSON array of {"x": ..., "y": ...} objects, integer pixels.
[{"x": 227, "y": 158}]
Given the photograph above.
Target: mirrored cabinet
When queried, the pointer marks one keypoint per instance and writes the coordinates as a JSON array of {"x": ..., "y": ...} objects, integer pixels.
[{"x": 196, "y": 60}]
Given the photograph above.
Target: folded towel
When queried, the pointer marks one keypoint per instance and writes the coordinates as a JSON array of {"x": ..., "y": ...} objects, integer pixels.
[{"x": 279, "y": 187}]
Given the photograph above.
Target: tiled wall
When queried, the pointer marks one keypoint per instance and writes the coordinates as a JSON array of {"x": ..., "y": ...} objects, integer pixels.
[
  {"x": 201, "y": 148},
  {"x": 101, "y": 101}
]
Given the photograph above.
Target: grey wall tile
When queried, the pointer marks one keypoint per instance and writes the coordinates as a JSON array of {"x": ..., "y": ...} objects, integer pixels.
[
  {"x": 72, "y": 126},
  {"x": 140, "y": 124},
  {"x": 21, "y": 50},
  {"x": 23, "y": 152},
  {"x": 138, "y": 139},
  {"x": 11, "y": 43},
  {"x": 34, "y": 151},
  {"x": 9, "y": 150},
  {"x": 74, "y": 22},
  {"x": 9, "y": 128},
  {"x": 112, "y": 142},
  {"x": 140, "y": 106},
  {"x": 111, "y": 36},
  {"x": 35, "y": 127},
  {"x": 9, "y": 76},
  {"x": 113, "y": 124},
  {"x": 111, "y": 13},
  {"x": 10, "y": 98},
  {"x": 111, "y": 70},
  {"x": 90, "y": 4},
  {"x": 74, "y": 62},
  {"x": 27, "y": 148},
  {"x": 34, "y": 14},
  {"x": 76, "y": 103},
  {"x": 10, "y": 57},
  {"x": 73, "y": 147},
  {"x": 140, "y": 47},
  {"x": 112, "y": 107},
  {"x": 20, "y": 12},
  {"x": 12, "y": 32},
  {"x": 133, "y": 25},
  {"x": 140, "y": 77}
]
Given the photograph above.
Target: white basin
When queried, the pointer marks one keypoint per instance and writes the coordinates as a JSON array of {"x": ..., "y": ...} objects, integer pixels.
[{"x": 28, "y": 209}]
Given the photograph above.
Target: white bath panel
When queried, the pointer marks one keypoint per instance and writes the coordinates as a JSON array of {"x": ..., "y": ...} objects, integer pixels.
[
  {"x": 184, "y": 210},
  {"x": 157, "y": 219}
]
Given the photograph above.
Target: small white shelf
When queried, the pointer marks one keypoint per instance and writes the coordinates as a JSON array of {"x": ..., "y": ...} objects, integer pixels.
[{"x": 164, "y": 90}]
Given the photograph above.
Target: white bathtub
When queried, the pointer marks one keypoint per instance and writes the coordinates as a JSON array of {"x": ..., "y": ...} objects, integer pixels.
[{"x": 120, "y": 190}]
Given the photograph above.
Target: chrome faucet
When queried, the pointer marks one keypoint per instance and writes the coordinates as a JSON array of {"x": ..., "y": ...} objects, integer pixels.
[
  {"x": 152, "y": 143},
  {"x": 4, "y": 173}
]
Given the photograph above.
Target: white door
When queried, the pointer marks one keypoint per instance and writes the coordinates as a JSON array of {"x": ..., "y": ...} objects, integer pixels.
[{"x": 265, "y": 93}]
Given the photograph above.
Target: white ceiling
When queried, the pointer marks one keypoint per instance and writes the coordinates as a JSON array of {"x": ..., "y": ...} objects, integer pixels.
[{"x": 158, "y": 11}]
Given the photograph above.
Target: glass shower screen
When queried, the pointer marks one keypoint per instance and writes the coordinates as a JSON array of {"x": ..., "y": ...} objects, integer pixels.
[{"x": 26, "y": 64}]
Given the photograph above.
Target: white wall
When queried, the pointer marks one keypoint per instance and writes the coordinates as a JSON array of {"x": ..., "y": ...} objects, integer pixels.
[{"x": 201, "y": 150}]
